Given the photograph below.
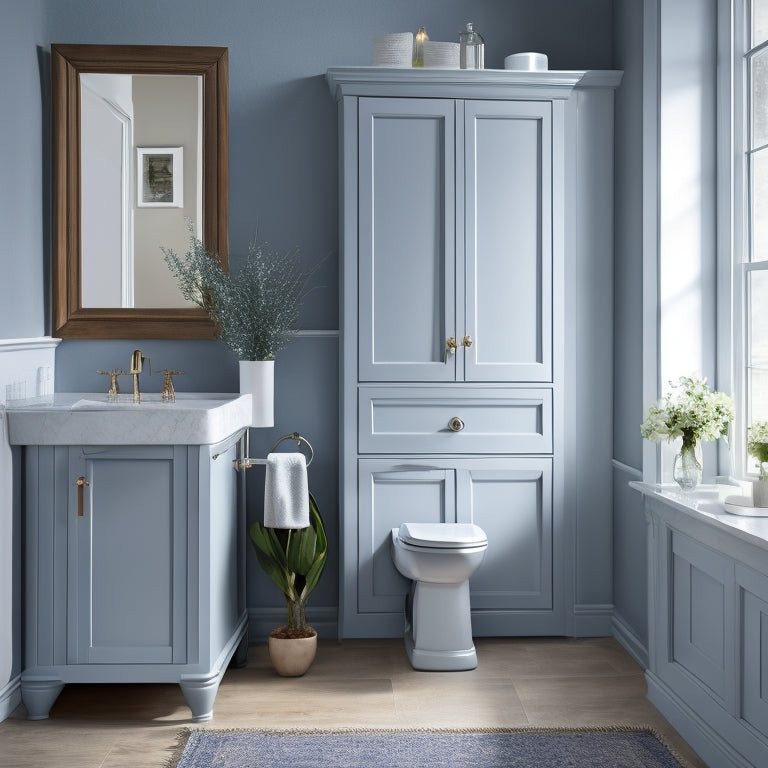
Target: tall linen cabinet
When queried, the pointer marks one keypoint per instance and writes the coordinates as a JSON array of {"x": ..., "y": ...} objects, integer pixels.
[{"x": 476, "y": 228}]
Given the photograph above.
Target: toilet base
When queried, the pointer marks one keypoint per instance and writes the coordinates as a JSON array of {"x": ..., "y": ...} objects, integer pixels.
[
  {"x": 438, "y": 627},
  {"x": 440, "y": 661}
]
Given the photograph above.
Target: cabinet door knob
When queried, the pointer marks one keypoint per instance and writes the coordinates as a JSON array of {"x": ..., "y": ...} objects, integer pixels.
[
  {"x": 456, "y": 424},
  {"x": 450, "y": 347},
  {"x": 466, "y": 341},
  {"x": 81, "y": 482}
]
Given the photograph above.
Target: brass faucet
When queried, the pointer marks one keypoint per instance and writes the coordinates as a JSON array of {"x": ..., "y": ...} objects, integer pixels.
[{"x": 136, "y": 363}]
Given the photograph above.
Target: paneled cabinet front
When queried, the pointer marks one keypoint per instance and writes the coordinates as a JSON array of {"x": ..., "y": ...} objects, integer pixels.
[
  {"x": 127, "y": 537},
  {"x": 473, "y": 311},
  {"x": 511, "y": 499},
  {"x": 455, "y": 234},
  {"x": 134, "y": 569}
]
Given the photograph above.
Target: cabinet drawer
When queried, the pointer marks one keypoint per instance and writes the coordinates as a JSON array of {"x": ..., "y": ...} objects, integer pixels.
[{"x": 417, "y": 420}]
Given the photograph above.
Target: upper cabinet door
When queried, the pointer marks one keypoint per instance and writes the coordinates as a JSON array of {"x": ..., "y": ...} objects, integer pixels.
[
  {"x": 508, "y": 210},
  {"x": 406, "y": 239}
]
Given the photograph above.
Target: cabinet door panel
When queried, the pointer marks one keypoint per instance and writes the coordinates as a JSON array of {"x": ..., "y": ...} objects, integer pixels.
[
  {"x": 406, "y": 239},
  {"x": 391, "y": 494},
  {"x": 754, "y": 667},
  {"x": 508, "y": 224},
  {"x": 514, "y": 507},
  {"x": 700, "y": 588},
  {"x": 127, "y": 542}
]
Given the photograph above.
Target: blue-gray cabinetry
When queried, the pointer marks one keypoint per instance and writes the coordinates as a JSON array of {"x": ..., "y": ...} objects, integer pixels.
[
  {"x": 708, "y": 640},
  {"x": 134, "y": 568},
  {"x": 473, "y": 206}
]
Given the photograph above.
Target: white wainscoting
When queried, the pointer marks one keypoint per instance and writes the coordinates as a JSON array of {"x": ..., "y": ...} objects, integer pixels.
[{"x": 26, "y": 371}]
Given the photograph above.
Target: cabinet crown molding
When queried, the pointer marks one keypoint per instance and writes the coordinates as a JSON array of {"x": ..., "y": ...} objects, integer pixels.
[{"x": 456, "y": 83}]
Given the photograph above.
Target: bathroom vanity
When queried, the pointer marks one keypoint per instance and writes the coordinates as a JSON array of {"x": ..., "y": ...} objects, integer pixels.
[
  {"x": 476, "y": 239},
  {"x": 134, "y": 545}
]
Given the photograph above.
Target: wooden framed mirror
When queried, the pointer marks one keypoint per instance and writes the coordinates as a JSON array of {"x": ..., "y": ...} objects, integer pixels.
[{"x": 140, "y": 154}]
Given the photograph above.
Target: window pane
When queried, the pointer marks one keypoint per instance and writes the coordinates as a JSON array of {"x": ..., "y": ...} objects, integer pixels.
[
  {"x": 759, "y": 205},
  {"x": 757, "y": 351},
  {"x": 759, "y": 99},
  {"x": 759, "y": 21}
]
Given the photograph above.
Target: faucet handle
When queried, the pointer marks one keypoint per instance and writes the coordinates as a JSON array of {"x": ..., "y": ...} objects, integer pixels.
[
  {"x": 113, "y": 390},
  {"x": 169, "y": 393}
]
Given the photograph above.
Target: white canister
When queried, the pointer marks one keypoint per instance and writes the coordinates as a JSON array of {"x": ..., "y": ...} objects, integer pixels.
[{"x": 527, "y": 62}]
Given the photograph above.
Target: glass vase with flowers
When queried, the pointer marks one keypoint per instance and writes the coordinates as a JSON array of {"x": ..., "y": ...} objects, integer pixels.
[
  {"x": 757, "y": 447},
  {"x": 695, "y": 413}
]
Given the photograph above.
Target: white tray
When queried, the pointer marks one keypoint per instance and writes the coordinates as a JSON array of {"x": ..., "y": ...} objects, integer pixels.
[{"x": 742, "y": 505}]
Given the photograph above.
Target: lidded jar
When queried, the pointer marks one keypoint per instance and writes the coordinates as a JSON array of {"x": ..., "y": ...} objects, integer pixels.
[{"x": 472, "y": 48}]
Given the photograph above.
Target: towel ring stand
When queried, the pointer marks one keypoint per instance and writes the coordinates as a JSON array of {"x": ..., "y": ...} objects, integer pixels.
[{"x": 299, "y": 440}]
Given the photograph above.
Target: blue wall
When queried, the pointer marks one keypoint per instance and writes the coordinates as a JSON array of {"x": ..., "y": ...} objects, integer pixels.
[
  {"x": 629, "y": 527},
  {"x": 283, "y": 173},
  {"x": 24, "y": 195}
]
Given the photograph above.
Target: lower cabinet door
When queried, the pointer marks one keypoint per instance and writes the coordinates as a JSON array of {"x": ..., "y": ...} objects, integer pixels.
[
  {"x": 392, "y": 493},
  {"x": 127, "y": 564},
  {"x": 514, "y": 508},
  {"x": 512, "y": 593}
]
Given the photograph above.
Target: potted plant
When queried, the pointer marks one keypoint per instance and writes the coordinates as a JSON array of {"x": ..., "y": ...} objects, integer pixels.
[
  {"x": 757, "y": 446},
  {"x": 695, "y": 413},
  {"x": 294, "y": 559},
  {"x": 255, "y": 309}
]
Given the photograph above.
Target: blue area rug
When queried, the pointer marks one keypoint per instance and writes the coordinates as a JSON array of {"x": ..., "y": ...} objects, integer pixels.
[{"x": 609, "y": 748}]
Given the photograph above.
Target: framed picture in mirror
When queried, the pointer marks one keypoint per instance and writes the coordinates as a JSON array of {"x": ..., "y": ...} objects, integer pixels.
[{"x": 160, "y": 171}]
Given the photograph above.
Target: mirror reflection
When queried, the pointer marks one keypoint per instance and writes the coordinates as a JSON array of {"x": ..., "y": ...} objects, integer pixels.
[{"x": 141, "y": 182}]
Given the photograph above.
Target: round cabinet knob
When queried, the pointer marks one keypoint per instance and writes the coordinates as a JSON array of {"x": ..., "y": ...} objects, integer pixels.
[{"x": 456, "y": 424}]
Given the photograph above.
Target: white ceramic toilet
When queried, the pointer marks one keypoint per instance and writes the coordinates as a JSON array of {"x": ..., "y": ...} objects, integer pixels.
[{"x": 439, "y": 558}]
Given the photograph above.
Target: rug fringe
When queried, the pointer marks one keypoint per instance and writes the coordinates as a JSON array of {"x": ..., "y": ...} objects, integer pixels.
[
  {"x": 181, "y": 742},
  {"x": 184, "y": 735}
]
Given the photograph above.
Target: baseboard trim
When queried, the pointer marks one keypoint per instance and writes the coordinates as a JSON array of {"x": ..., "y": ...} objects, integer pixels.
[
  {"x": 592, "y": 619},
  {"x": 704, "y": 740},
  {"x": 261, "y": 621},
  {"x": 10, "y": 697},
  {"x": 631, "y": 643}
]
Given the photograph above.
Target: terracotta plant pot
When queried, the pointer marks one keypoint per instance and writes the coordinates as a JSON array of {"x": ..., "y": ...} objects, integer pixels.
[{"x": 292, "y": 657}]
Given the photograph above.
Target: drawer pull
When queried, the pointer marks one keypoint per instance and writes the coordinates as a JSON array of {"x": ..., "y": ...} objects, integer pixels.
[
  {"x": 81, "y": 482},
  {"x": 456, "y": 424},
  {"x": 466, "y": 342}
]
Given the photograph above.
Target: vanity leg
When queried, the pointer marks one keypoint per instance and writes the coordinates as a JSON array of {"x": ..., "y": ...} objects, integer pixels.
[
  {"x": 240, "y": 659},
  {"x": 200, "y": 694},
  {"x": 38, "y": 695}
]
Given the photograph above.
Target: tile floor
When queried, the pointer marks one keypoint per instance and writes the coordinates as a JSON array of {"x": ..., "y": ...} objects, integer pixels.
[{"x": 358, "y": 683}]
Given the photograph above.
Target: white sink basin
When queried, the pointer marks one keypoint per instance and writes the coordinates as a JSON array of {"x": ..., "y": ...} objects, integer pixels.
[{"x": 76, "y": 418}]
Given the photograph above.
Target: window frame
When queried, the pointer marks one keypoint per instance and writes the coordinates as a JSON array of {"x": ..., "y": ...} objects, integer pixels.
[{"x": 738, "y": 255}]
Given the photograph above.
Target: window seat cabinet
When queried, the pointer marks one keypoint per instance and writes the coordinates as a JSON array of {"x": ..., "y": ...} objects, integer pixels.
[
  {"x": 708, "y": 627},
  {"x": 133, "y": 568}
]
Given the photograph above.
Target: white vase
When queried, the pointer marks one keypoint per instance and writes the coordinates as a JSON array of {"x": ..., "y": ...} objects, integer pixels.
[{"x": 257, "y": 378}]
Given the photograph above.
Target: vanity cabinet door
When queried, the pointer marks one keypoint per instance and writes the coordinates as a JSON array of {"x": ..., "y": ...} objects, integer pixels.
[
  {"x": 508, "y": 216},
  {"x": 406, "y": 239},
  {"x": 127, "y": 564}
]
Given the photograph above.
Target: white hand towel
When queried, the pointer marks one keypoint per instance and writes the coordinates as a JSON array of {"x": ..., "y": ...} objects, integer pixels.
[{"x": 286, "y": 493}]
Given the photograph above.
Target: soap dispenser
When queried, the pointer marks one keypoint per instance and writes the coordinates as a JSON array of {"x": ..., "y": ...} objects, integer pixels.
[{"x": 472, "y": 49}]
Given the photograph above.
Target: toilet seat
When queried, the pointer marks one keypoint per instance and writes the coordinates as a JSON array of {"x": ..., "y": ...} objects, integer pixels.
[{"x": 443, "y": 535}]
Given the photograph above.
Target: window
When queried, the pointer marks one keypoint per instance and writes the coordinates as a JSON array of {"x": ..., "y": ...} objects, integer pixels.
[{"x": 751, "y": 186}]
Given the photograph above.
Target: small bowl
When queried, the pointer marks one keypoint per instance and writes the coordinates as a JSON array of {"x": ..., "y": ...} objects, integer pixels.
[
  {"x": 527, "y": 62},
  {"x": 439, "y": 55}
]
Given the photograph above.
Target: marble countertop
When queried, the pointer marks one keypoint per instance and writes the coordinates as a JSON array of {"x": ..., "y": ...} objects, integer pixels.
[
  {"x": 87, "y": 418},
  {"x": 707, "y": 503}
]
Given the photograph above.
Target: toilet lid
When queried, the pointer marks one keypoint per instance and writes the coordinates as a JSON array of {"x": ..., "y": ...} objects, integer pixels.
[{"x": 443, "y": 535}]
